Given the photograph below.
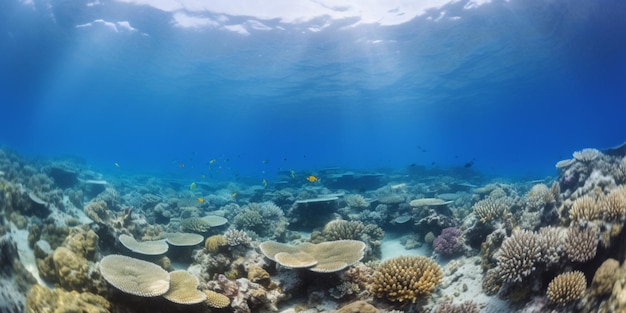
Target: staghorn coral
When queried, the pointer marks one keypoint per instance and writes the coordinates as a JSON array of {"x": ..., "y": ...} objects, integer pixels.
[
  {"x": 581, "y": 244},
  {"x": 586, "y": 155},
  {"x": 215, "y": 242},
  {"x": 613, "y": 205},
  {"x": 184, "y": 288},
  {"x": 325, "y": 257},
  {"x": 567, "y": 287},
  {"x": 405, "y": 278},
  {"x": 465, "y": 307},
  {"x": 136, "y": 277},
  {"x": 585, "y": 208},
  {"x": 519, "y": 255},
  {"x": 491, "y": 208},
  {"x": 551, "y": 240},
  {"x": 604, "y": 278}
]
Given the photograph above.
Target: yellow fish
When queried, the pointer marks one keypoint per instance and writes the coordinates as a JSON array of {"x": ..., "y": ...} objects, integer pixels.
[
  {"x": 117, "y": 164},
  {"x": 201, "y": 200},
  {"x": 192, "y": 187},
  {"x": 234, "y": 195},
  {"x": 312, "y": 178},
  {"x": 265, "y": 183},
  {"x": 293, "y": 174}
]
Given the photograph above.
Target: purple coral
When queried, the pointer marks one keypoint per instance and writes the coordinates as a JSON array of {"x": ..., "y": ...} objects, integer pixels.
[{"x": 448, "y": 242}]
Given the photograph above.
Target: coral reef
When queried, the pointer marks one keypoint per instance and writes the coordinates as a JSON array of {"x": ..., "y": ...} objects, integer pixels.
[
  {"x": 325, "y": 257},
  {"x": 405, "y": 279},
  {"x": 136, "y": 277},
  {"x": 581, "y": 244},
  {"x": 41, "y": 299},
  {"x": 604, "y": 278},
  {"x": 519, "y": 255},
  {"x": 184, "y": 288},
  {"x": 567, "y": 287},
  {"x": 448, "y": 242},
  {"x": 265, "y": 219},
  {"x": 465, "y": 307},
  {"x": 215, "y": 242},
  {"x": 358, "y": 307}
]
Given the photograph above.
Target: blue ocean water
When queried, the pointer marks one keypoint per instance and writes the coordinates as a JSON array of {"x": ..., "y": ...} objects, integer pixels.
[{"x": 240, "y": 89}]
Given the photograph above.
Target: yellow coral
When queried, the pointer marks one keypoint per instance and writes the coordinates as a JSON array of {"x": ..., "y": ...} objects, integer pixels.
[
  {"x": 585, "y": 208},
  {"x": 604, "y": 278},
  {"x": 257, "y": 274},
  {"x": 215, "y": 242},
  {"x": 567, "y": 287},
  {"x": 42, "y": 299},
  {"x": 216, "y": 300},
  {"x": 406, "y": 278}
]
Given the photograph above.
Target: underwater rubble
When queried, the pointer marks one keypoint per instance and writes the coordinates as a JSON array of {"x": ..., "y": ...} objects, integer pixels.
[{"x": 74, "y": 240}]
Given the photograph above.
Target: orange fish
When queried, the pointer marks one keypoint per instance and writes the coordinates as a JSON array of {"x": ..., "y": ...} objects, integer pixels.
[
  {"x": 312, "y": 178},
  {"x": 201, "y": 200}
]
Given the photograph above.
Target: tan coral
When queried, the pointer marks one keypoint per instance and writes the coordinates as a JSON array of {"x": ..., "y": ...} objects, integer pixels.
[
  {"x": 155, "y": 247},
  {"x": 604, "y": 278},
  {"x": 71, "y": 269},
  {"x": 133, "y": 276},
  {"x": 567, "y": 287},
  {"x": 215, "y": 242},
  {"x": 490, "y": 208},
  {"x": 519, "y": 255},
  {"x": 359, "y": 306},
  {"x": 585, "y": 208},
  {"x": 41, "y": 299},
  {"x": 183, "y": 239},
  {"x": 216, "y": 300},
  {"x": 406, "y": 278},
  {"x": 184, "y": 288},
  {"x": 614, "y": 205},
  {"x": 330, "y": 256},
  {"x": 581, "y": 244}
]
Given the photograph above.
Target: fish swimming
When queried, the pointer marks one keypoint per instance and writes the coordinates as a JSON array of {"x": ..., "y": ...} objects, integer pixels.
[
  {"x": 192, "y": 187},
  {"x": 312, "y": 178}
]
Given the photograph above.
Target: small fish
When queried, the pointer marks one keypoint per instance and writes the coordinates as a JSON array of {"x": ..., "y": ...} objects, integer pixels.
[
  {"x": 265, "y": 161},
  {"x": 293, "y": 174},
  {"x": 213, "y": 161},
  {"x": 468, "y": 164},
  {"x": 312, "y": 178},
  {"x": 234, "y": 195},
  {"x": 203, "y": 176},
  {"x": 181, "y": 165},
  {"x": 264, "y": 183},
  {"x": 192, "y": 187},
  {"x": 117, "y": 165},
  {"x": 201, "y": 200}
]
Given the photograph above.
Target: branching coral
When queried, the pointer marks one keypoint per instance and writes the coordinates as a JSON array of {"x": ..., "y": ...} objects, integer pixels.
[
  {"x": 518, "y": 255},
  {"x": 585, "y": 208},
  {"x": 406, "y": 278},
  {"x": 567, "y": 287},
  {"x": 491, "y": 208},
  {"x": 538, "y": 197},
  {"x": 236, "y": 237},
  {"x": 356, "y": 201},
  {"x": 581, "y": 244},
  {"x": 264, "y": 219}
]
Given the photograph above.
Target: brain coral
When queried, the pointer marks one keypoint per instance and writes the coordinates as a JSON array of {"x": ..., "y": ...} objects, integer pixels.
[
  {"x": 405, "y": 278},
  {"x": 567, "y": 287},
  {"x": 215, "y": 242},
  {"x": 136, "y": 277},
  {"x": 518, "y": 255}
]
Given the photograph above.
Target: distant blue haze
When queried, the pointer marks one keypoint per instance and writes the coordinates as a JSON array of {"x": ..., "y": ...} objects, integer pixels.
[{"x": 511, "y": 86}]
